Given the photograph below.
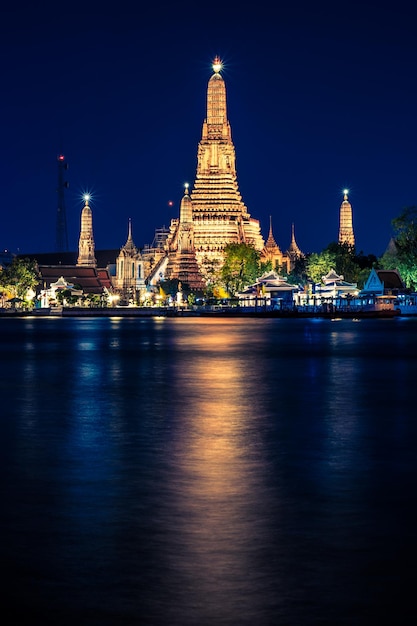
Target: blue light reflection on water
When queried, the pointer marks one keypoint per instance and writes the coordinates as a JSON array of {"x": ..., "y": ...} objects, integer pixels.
[{"x": 198, "y": 471}]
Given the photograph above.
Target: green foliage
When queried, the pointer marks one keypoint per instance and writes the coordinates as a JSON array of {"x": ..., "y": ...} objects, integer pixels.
[
  {"x": 20, "y": 276},
  {"x": 67, "y": 295},
  {"x": 241, "y": 266},
  {"x": 298, "y": 274},
  {"x": 318, "y": 264},
  {"x": 342, "y": 258},
  {"x": 345, "y": 261},
  {"x": 405, "y": 232},
  {"x": 210, "y": 270},
  {"x": 403, "y": 255},
  {"x": 265, "y": 266}
]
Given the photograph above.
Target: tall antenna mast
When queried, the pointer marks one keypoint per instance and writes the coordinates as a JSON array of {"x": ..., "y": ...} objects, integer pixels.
[{"x": 61, "y": 218}]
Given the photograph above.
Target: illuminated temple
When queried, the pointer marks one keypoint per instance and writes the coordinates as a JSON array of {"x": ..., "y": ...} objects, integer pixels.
[
  {"x": 215, "y": 214},
  {"x": 346, "y": 234}
]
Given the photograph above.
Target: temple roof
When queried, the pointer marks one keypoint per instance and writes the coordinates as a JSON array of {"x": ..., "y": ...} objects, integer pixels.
[
  {"x": 390, "y": 278},
  {"x": 269, "y": 283},
  {"x": 331, "y": 277},
  {"x": 380, "y": 281},
  {"x": 90, "y": 279}
]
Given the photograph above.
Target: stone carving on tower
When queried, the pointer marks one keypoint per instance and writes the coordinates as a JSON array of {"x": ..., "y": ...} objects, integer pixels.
[
  {"x": 346, "y": 228},
  {"x": 86, "y": 254},
  {"x": 219, "y": 215},
  {"x": 129, "y": 280}
]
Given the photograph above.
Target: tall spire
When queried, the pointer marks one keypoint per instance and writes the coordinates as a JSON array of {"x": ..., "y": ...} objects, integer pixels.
[
  {"x": 129, "y": 245},
  {"x": 186, "y": 211},
  {"x": 86, "y": 241},
  {"x": 270, "y": 242},
  {"x": 219, "y": 214},
  {"x": 293, "y": 250},
  {"x": 217, "y": 126},
  {"x": 346, "y": 227},
  {"x": 213, "y": 215}
]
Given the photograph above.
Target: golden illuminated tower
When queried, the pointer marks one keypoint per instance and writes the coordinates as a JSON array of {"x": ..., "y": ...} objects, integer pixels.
[
  {"x": 346, "y": 228},
  {"x": 219, "y": 214},
  {"x": 182, "y": 262},
  {"x": 86, "y": 241}
]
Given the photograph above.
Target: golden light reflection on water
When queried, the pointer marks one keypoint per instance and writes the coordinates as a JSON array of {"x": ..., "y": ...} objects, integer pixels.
[{"x": 217, "y": 485}]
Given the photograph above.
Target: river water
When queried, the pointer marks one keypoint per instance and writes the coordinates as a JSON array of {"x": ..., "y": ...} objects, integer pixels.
[{"x": 193, "y": 472}]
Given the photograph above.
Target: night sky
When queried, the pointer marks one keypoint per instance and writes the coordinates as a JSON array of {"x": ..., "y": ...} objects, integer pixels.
[{"x": 321, "y": 97}]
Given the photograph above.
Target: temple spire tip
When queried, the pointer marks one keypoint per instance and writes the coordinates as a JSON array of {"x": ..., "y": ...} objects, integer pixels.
[{"x": 217, "y": 64}]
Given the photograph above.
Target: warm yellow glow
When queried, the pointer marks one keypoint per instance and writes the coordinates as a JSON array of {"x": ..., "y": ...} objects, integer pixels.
[
  {"x": 219, "y": 292},
  {"x": 217, "y": 65}
]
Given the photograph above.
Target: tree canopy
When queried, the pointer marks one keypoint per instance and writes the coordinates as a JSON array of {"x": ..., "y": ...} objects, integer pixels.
[
  {"x": 20, "y": 276},
  {"x": 402, "y": 254},
  {"x": 241, "y": 266},
  {"x": 342, "y": 258},
  {"x": 318, "y": 264}
]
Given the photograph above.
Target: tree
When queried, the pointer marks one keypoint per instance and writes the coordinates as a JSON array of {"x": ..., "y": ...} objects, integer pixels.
[
  {"x": 210, "y": 270},
  {"x": 402, "y": 254},
  {"x": 298, "y": 274},
  {"x": 365, "y": 263},
  {"x": 318, "y": 264},
  {"x": 20, "y": 276},
  {"x": 345, "y": 261},
  {"x": 342, "y": 258},
  {"x": 241, "y": 266}
]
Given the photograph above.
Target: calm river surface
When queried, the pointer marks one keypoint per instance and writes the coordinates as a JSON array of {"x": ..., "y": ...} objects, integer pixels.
[{"x": 193, "y": 472}]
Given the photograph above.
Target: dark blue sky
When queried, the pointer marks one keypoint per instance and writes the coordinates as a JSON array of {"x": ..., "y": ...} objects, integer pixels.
[{"x": 321, "y": 96}]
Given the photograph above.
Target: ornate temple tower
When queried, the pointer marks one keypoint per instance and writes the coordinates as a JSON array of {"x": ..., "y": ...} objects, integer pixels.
[
  {"x": 86, "y": 242},
  {"x": 272, "y": 252},
  {"x": 213, "y": 215},
  {"x": 182, "y": 263},
  {"x": 346, "y": 228},
  {"x": 219, "y": 215},
  {"x": 294, "y": 251},
  {"x": 129, "y": 278}
]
